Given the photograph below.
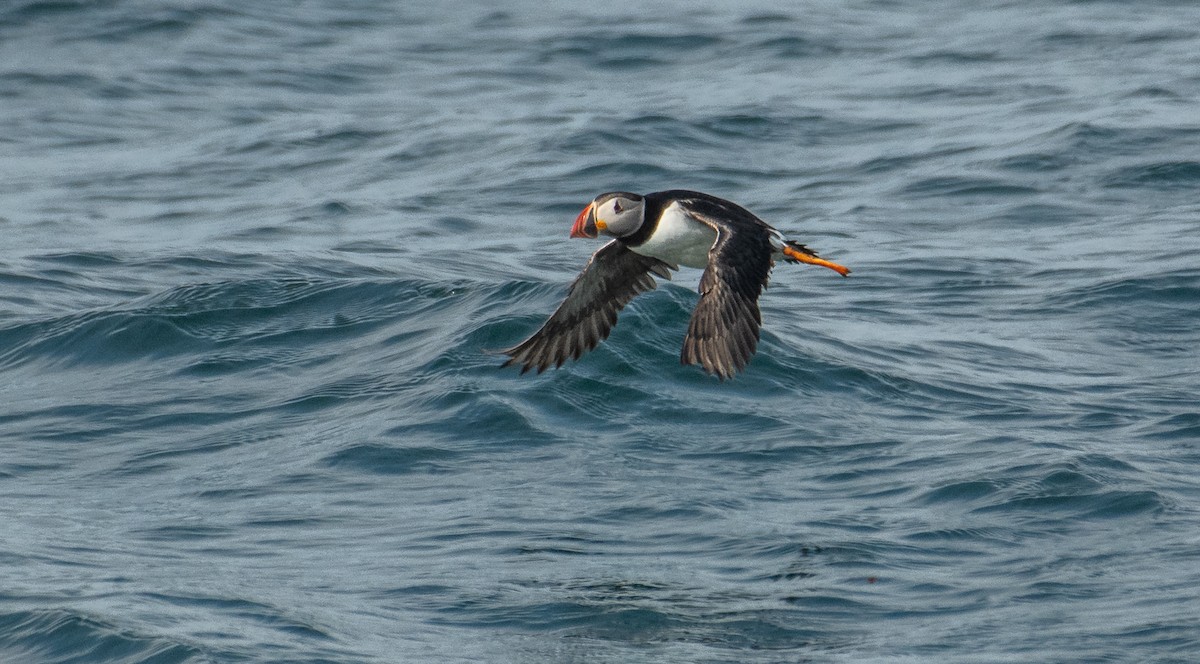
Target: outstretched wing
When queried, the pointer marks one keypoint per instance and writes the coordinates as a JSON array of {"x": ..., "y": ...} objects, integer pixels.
[
  {"x": 613, "y": 277},
  {"x": 723, "y": 331}
]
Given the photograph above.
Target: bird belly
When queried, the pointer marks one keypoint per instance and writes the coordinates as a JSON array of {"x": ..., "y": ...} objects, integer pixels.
[{"x": 679, "y": 239}]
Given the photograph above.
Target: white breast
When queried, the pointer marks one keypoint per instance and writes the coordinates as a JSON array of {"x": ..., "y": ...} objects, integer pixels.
[{"x": 679, "y": 239}]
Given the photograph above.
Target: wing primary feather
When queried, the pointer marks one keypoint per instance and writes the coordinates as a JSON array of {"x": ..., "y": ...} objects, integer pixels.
[
  {"x": 613, "y": 277},
  {"x": 723, "y": 332}
]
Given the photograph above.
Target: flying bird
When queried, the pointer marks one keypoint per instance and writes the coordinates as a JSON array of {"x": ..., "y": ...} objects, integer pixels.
[{"x": 655, "y": 234}]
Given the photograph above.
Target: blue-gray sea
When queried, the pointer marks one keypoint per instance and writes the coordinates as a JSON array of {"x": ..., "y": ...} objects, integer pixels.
[{"x": 253, "y": 258}]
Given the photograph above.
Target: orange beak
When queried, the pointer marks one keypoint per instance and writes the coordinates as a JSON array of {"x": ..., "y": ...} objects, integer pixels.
[{"x": 585, "y": 223}]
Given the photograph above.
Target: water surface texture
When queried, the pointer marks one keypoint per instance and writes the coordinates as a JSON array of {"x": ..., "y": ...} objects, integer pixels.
[{"x": 252, "y": 256}]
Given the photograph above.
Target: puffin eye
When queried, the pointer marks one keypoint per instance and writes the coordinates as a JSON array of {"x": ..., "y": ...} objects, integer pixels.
[{"x": 617, "y": 206}]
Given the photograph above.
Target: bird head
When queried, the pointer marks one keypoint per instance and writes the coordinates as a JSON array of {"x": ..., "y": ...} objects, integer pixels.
[{"x": 618, "y": 213}]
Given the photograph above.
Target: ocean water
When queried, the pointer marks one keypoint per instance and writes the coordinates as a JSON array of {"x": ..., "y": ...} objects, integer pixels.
[{"x": 253, "y": 257}]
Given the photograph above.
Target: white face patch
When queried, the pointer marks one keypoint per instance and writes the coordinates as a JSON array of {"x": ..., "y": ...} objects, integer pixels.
[{"x": 620, "y": 216}]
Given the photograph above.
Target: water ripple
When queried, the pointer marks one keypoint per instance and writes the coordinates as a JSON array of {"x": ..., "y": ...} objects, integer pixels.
[{"x": 62, "y": 636}]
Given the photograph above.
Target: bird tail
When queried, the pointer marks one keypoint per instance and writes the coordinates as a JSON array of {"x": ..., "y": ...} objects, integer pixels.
[
  {"x": 797, "y": 253},
  {"x": 798, "y": 248}
]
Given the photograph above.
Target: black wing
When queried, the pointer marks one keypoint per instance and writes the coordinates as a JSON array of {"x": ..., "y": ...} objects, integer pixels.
[
  {"x": 723, "y": 332},
  {"x": 613, "y": 277}
]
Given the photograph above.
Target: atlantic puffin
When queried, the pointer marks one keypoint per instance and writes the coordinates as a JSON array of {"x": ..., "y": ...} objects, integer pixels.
[{"x": 653, "y": 235}]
